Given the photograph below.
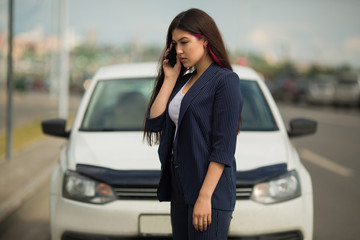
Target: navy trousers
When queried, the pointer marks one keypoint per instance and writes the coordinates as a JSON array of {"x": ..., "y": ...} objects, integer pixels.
[{"x": 181, "y": 217}]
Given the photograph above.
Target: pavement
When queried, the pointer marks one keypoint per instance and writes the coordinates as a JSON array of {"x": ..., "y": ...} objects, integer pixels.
[
  {"x": 30, "y": 168},
  {"x": 26, "y": 173}
]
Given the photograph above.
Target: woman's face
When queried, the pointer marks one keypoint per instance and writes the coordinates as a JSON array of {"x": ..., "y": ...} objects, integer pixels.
[{"x": 190, "y": 49}]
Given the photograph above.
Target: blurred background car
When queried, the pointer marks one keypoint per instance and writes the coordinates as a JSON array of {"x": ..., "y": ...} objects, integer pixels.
[
  {"x": 290, "y": 87},
  {"x": 105, "y": 184},
  {"x": 321, "y": 89},
  {"x": 347, "y": 91}
]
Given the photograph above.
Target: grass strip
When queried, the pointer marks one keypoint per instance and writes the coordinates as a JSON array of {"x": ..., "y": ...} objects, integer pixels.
[{"x": 25, "y": 135}]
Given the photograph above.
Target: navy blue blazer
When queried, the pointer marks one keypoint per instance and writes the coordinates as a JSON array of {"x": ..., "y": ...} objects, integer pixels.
[{"x": 207, "y": 131}]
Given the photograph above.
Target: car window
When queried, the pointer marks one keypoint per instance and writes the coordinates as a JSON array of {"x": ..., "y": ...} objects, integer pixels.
[
  {"x": 256, "y": 114},
  {"x": 348, "y": 79},
  {"x": 347, "y": 82},
  {"x": 120, "y": 105}
]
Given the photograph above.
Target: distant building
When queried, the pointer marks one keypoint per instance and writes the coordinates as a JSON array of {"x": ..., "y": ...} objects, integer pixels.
[{"x": 35, "y": 44}]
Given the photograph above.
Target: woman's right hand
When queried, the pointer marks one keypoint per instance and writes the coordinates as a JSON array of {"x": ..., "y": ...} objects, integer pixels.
[{"x": 171, "y": 73}]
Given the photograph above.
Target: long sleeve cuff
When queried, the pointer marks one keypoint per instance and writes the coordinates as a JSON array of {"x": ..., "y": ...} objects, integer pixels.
[{"x": 222, "y": 157}]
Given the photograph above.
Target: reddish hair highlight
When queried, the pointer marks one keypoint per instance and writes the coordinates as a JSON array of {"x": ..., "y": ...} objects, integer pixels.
[{"x": 213, "y": 56}]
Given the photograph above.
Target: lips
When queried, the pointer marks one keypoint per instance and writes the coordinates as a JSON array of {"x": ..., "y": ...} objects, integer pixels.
[{"x": 183, "y": 59}]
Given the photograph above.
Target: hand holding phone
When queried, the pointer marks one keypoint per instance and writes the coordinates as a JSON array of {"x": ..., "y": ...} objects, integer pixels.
[{"x": 171, "y": 56}]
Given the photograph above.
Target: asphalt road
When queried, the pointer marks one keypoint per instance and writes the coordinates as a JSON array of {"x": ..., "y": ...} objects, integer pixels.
[
  {"x": 331, "y": 156},
  {"x": 31, "y": 221}
]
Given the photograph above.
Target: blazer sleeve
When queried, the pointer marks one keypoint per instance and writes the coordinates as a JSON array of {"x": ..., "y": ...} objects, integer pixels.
[
  {"x": 155, "y": 124},
  {"x": 226, "y": 115}
]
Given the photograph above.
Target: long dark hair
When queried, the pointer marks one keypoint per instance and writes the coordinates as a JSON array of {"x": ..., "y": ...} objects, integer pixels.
[{"x": 201, "y": 25}]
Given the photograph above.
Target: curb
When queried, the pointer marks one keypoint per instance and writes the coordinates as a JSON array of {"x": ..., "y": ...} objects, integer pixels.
[
  {"x": 29, "y": 190},
  {"x": 30, "y": 187}
]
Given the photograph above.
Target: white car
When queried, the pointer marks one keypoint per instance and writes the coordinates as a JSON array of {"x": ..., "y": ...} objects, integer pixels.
[
  {"x": 347, "y": 91},
  {"x": 104, "y": 186},
  {"x": 321, "y": 90}
]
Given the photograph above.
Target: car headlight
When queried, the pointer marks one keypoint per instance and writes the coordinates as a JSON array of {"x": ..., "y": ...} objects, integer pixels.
[
  {"x": 80, "y": 188},
  {"x": 279, "y": 189}
]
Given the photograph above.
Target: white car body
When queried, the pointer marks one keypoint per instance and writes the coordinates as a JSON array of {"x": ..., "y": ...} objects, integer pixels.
[
  {"x": 347, "y": 91},
  {"x": 321, "y": 90},
  {"x": 128, "y": 151}
]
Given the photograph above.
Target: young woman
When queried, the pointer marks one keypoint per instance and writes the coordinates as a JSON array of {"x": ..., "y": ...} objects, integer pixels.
[{"x": 196, "y": 117}]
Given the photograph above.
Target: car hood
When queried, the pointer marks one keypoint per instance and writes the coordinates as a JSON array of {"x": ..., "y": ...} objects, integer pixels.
[
  {"x": 112, "y": 150},
  {"x": 259, "y": 149}
]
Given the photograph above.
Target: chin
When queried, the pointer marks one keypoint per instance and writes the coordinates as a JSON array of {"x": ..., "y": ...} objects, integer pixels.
[{"x": 187, "y": 65}]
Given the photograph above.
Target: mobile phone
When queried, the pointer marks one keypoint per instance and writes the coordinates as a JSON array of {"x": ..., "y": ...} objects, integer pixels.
[{"x": 172, "y": 56}]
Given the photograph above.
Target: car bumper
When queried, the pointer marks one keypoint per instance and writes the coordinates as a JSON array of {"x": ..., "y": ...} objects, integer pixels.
[
  {"x": 320, "y": 99},
  {"x": 253, "y": 219},
  {"x": 347, "y": 98},
  {"x": 118, "y": 218},
  {"x": 71, "y": 219}
]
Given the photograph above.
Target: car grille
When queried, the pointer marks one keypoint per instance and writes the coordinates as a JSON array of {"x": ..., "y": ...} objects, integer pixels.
[
  {"x": 150, "y": 193},
  {"x": 139, "y": 193},
  {"x": 243, "y": 192}
]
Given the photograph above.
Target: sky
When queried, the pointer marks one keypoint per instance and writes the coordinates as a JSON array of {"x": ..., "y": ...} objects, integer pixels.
[{"x": 310, "y": 31}]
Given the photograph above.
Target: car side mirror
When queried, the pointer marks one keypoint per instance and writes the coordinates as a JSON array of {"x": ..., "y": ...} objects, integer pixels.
[
  {"x": 55, "y": 127},
  {"x": 301, "y": 127}
]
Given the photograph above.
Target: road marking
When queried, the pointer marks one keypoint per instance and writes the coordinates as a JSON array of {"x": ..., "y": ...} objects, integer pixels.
[{"x": 326, "y": 163}]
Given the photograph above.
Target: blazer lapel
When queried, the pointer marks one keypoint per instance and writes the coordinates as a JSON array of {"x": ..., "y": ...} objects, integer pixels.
[
  {"x": 196, "y": 88},
  {"x": 178, "y": 86}
]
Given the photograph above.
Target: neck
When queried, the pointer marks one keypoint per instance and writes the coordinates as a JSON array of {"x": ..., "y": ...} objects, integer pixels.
[{"x": 203, "y": 64}]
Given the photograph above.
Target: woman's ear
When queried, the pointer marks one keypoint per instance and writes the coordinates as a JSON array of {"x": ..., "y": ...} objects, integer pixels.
[{"x": 205, "y": 43}]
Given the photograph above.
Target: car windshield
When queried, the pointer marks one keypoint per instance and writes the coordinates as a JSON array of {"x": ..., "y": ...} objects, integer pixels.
[
  {"x": 120, "y": 105},
  {"x": 347, "y": 82},
  {"x": 348, "y": 79},
  {"x": 256, "y": 114}
]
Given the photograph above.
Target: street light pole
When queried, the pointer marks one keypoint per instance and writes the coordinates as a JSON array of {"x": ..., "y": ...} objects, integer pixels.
[
  {"x": 64, "y": 62},
  {"x": 10, "y": 85},
  {"x": 55, "y": 49}
]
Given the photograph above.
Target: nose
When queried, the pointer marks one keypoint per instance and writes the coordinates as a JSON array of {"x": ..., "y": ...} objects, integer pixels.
[{"x": 178, "y": 49}]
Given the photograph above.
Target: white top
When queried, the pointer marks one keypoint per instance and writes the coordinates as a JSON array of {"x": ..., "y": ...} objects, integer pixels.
[{"x": 174, "y": 107}]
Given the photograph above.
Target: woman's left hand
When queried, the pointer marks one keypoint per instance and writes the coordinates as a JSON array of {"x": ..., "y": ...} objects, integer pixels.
[{"x": 202, "y": 213}]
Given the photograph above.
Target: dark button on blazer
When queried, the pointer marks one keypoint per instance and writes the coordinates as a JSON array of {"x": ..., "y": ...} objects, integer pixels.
[{"x": 207, "y": 131}]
